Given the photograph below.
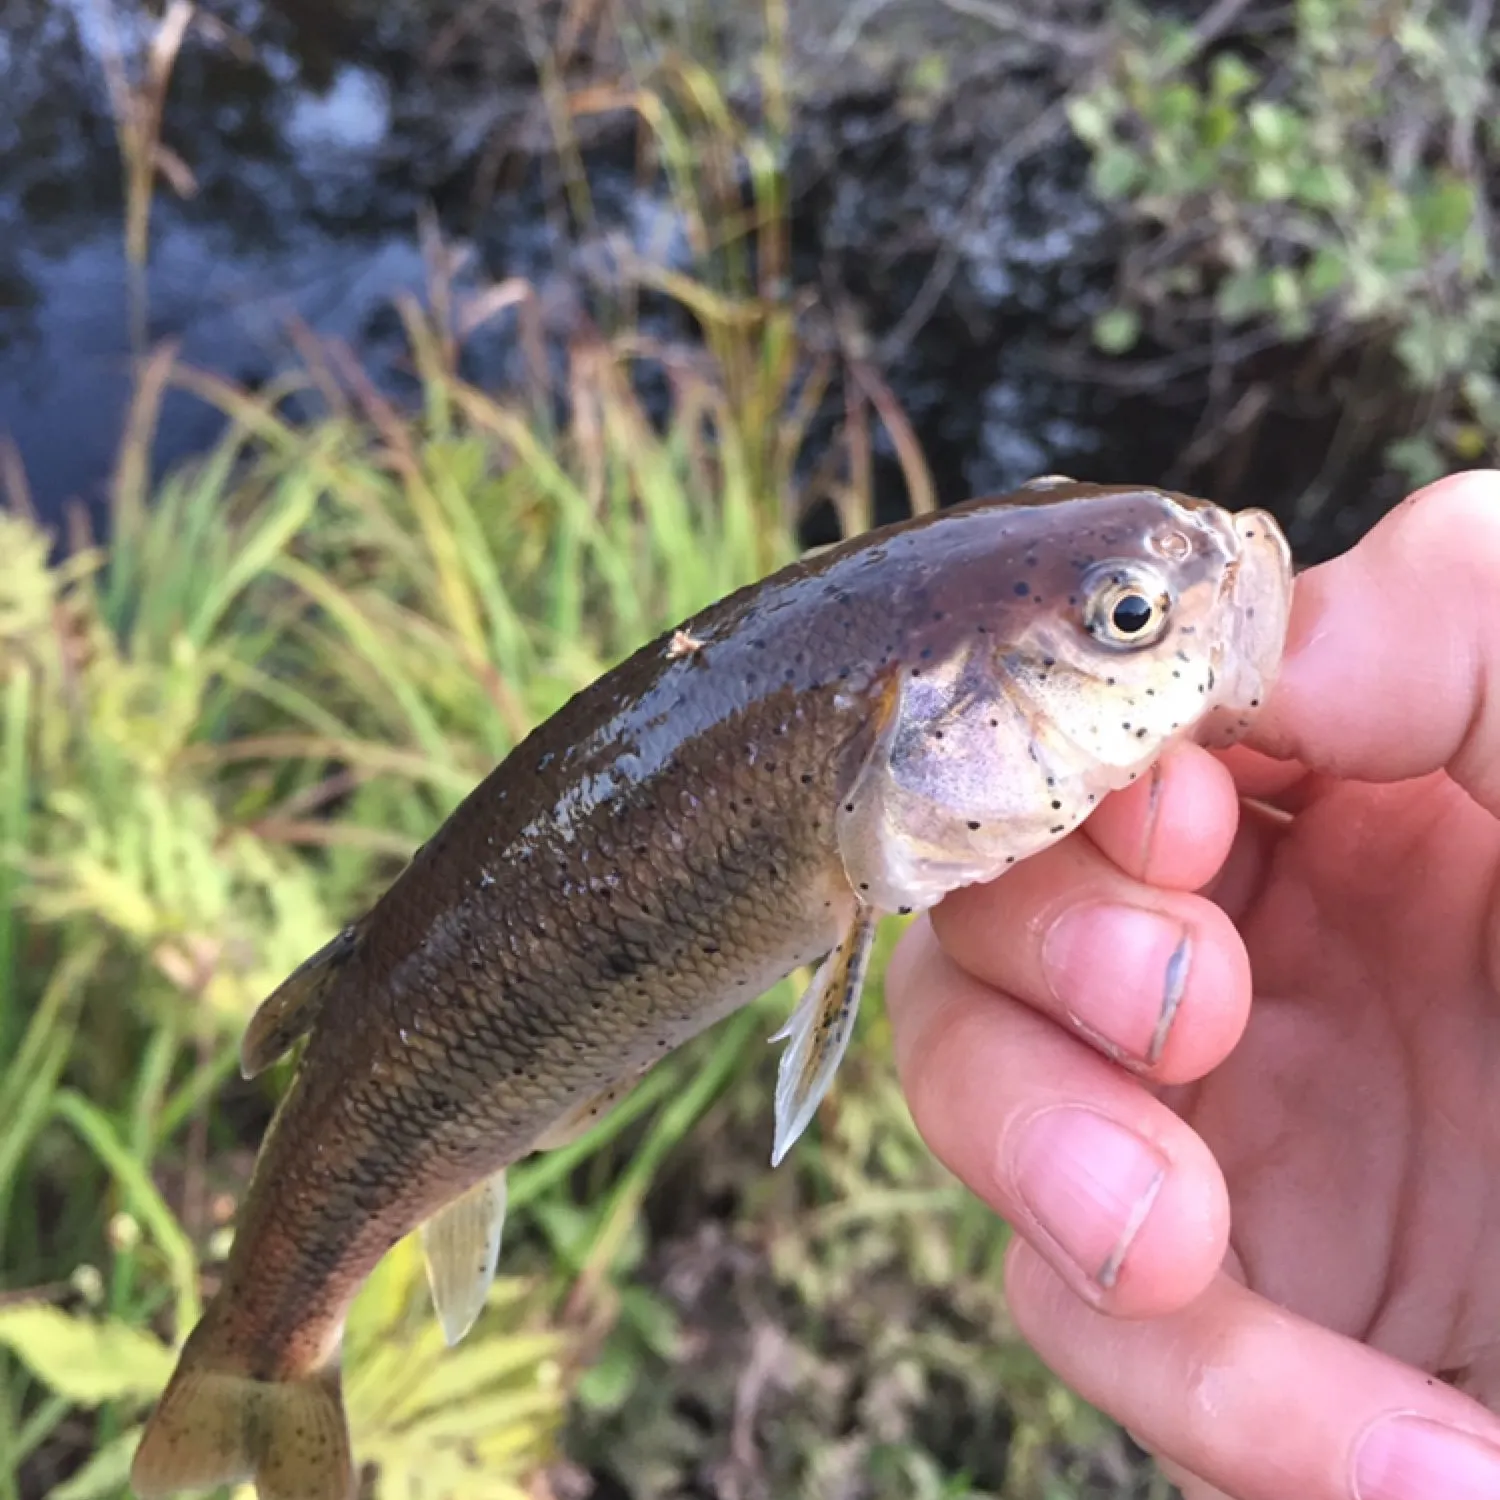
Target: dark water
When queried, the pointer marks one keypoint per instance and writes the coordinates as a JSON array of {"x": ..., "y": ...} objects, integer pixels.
[{"x": 316, "y": 134}]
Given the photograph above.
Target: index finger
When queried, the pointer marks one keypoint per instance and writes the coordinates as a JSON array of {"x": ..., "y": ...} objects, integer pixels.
[{"x": 1393, "y": 659}]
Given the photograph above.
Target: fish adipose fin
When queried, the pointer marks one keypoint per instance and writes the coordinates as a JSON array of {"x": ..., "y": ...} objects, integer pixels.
[
  {"x": 287, "y": 1014},
  {"x": 462, "y": 1246},
  {"x": 819, "y": 1031},
  {"x": 216, "y": 1424}
]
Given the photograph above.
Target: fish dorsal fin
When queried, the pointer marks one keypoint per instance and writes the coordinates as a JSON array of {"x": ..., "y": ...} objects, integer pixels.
[
  {"x": 819, "y": 1031},
  {"x": 579, "y": 1121},
  {"x": 462, "y": 1246},
  {"x": 287, "y": 1014}
]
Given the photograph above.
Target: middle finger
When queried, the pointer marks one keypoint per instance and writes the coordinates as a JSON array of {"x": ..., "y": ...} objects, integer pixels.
[{"x": 1156, "y": 979}]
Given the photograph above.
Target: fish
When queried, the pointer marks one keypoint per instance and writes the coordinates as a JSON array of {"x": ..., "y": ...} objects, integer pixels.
[{"x": 909, "y": 711}]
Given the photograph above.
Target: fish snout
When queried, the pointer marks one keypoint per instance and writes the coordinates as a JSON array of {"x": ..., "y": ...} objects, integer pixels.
[{"x": 1255, "y": 607}]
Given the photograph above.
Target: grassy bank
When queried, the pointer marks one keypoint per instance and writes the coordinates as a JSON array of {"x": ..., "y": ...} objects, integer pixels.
[
  {"x": 219, "y": 736},
  {"x": 223, "y": 731}
]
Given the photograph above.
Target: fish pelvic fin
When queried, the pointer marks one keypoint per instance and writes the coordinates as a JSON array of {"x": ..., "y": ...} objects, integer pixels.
[
  {"x": 287, "y": 1014},
  {"x": 461, "y": 1243},
  {"x": 819, "y": 1032},
  {"x": 217, "y": 1424}
]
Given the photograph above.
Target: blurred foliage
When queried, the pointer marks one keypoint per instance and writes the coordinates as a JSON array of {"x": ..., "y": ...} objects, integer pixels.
[
  {"x": 1331, "y": 183},
  {"x": 222, "y": 731}
]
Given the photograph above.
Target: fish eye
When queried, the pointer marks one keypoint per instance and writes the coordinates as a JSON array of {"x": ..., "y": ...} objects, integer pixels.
[{"x": 1126, "y": 610}]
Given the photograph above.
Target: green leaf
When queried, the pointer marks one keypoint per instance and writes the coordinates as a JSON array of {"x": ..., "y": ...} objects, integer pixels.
[
  {"x": 1417, "y": 458},
  {"x": 1116, "y": 331},
  {"x": 610, "y": 1380},
  {"x": 1328, "y": 273},
  {"x": 89, "y": 1362},
  {"x": 1177, "y": 106},
  {"x": 1231, "y": 77},
  {"x": 1091, "y": 121},
  {"x": 929, "y": 74},
  {"x": 1242, "y": 295},
  {"x": 1272, "y": 181},
  {"x": 1117, "y": 169},
  {"x": 1322, "y": 186},
  {"x": 1275, "y": 126},
  {"x": 1445, "y": 211},
  {"x": 462, "y": 1373},
  {"x": 1216, "y": 128}
]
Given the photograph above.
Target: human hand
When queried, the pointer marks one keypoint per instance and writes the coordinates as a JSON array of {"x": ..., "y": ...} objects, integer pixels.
[{"x": 1269, "y": 1243}]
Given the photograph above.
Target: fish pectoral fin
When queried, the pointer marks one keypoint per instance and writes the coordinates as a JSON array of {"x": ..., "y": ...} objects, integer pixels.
[
  {"x": 462, "y": 1246},
  {"x": 580, "y": 1120},
  {"x": 287, "y": 1014},
  {"x": 819, "y": 1032}
]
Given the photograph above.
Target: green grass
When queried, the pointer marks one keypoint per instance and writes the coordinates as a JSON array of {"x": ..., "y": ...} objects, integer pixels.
[{"x": 223, "y": 732}]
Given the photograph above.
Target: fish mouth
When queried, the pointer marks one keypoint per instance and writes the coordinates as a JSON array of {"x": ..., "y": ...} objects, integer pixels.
[{"x": 1255, "y": 601}]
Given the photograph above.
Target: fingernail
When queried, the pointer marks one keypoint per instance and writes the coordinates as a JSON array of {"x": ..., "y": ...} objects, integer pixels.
[
  {"x": 1090, "y": 1184},
  {"x": 1120, "y": 971},
  {"x": 1410, "y": 1458}
]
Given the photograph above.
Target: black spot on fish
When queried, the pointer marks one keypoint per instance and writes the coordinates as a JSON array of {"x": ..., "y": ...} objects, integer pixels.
[
  {"x": 1021, "y": 587},
  {"x": 974, "y": 826}
]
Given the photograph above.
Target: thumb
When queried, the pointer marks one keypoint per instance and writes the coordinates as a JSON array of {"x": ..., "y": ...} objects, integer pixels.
[{"x": 1392, "y": 668}]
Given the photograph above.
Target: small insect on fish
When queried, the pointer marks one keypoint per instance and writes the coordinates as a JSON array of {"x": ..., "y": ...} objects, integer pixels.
[{"x": 908, "y": 712}]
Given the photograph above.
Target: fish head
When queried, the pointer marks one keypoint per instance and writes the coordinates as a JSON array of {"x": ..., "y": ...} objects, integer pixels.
[
  {"x": 1158, "y": 617},
  {"x": 1077, "y": 635}
]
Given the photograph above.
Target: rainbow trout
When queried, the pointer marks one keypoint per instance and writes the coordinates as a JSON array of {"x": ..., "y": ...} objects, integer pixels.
[{"x": 862, "y": 732}]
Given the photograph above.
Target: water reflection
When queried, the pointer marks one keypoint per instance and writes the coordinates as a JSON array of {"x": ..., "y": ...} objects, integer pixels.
[
  {"x": 316, "y": 133},
  {"x": 290, "y": 218}
]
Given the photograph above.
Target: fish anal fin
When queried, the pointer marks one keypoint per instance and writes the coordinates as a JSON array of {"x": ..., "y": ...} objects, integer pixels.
[
  {"x": 819, "y": 1030},
  {"x": 287, "y": 1014},
  {"x": 579, "y": 1121},
  {"x": 462, "y": 1245},
  {"x": 218, "y": 1425}
]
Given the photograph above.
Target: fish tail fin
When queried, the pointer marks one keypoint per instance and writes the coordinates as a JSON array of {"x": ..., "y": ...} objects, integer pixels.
[{"x": 217, "y": 1424}]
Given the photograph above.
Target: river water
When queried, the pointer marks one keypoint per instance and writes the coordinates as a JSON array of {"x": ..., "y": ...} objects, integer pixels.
[{"x": 315, "y": 136}]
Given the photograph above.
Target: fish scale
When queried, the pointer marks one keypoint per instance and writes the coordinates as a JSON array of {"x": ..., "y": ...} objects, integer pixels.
[{"x": 908, "y": 712}]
